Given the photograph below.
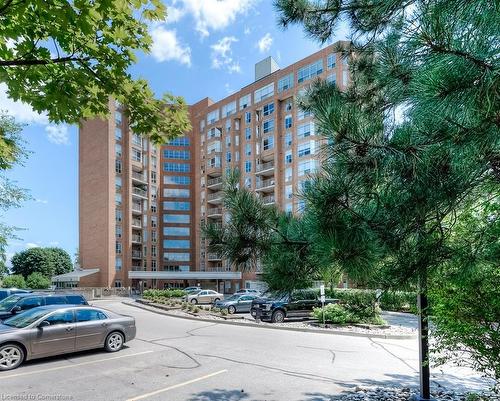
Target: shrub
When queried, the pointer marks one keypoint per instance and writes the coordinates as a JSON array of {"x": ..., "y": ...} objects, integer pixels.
[
  {"x": 173, "y": 293},
  {"x": 335, "y": 313},
  {"x": 14, "y": 280},
  {"x": 37, "y": 281},
  {"x": 399, "y": 301},
  {"x": 196, "y": 309},
  {"x": 360, "y": 303}
]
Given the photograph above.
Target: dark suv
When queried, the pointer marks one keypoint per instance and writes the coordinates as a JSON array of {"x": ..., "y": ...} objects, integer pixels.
[
  {"x": 276, "y": 306},
  {"x": 6, "y": 292},
  {"x": 20, "y": 302}
]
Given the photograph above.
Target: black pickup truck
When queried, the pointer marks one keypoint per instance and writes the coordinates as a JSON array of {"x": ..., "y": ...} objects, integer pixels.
[{"x": 276, "y": 306}]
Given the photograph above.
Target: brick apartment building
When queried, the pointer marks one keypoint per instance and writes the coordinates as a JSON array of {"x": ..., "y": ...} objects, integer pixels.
[{"x": 141, "y": 206}]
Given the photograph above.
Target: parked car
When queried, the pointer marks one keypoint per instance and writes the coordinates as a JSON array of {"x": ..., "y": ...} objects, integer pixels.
[
  {"x": 236, "y": 303},
  {"x": 61, "y": 329},
  {"x": 277, "y": 306},
  {"x": 7, "y": 292},
  {"x": 204, "y": 297},
  {"x": 247, "y": 291},
  {"x": 20, "y": 302},
  {"x": 190, "y": 290}
]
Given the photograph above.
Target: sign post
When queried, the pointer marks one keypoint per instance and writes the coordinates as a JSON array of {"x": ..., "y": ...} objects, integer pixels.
[{"x": 322, "y": 294}]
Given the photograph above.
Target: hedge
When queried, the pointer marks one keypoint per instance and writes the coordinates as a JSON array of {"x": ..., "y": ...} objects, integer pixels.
[{"x": 151, "y": 294}]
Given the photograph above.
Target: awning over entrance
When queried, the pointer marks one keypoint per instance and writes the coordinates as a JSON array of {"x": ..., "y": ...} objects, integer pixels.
[
  {"x": 74, "y": 276},
  {"x": 194, "y": 275}
]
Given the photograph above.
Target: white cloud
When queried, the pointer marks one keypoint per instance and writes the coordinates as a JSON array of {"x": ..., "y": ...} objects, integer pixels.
[
  {"x": 222, "y": 55},
  {"x": 57, "y": 134},
  {"x": 41, "y": 201},
  {"x": 22, "y": 112},
  {"x": 32, "y": 245},
  {"x": 264, "y": 43},
  {"x": 167, "y": 47},
  {"x": 215, "y": 15},
  {"x": 247, "y": 30},
  {"x": 174, "y": 14}
]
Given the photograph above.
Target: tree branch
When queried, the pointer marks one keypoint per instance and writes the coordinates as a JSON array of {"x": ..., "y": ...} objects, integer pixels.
[{"x": 13, "y": 63}]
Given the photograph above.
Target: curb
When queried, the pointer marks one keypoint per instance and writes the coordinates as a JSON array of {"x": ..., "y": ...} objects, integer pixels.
[{"x": 256, "y": 325}]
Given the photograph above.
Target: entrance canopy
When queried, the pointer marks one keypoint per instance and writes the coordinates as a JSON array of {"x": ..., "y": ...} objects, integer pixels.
[{"x": 74, "y": 276}]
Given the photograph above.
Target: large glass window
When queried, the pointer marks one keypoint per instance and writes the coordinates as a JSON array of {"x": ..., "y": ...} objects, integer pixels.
[
  {"x": 248, "y": 166},
  {"x": 136, "y": 155},
  {"x": 268, "y": 109},
  {"x": 176, "y": 231},
  {"x": 288, "y": 157},
  {"x": 268, "y": 126},
  {"x": 268, "y": 143},
  {"x": 285, "y": 83},
  {"x": 176, "y": 218},
  {"x": 330, "y": 60},
  {"x": 118, "y": 134},
  {"x": 176, "y": 243},
  {"x": 288, "y": 122},
  {"x": 176, "y": 167},
  {"x": 176, "y": 180},
  {"x": 305, "y": 149},
  {"x": 248, "y": 133},
  {"x": 176, "y": 257},
  {"x": 167, "y": 205},
  {"x": 301, "y": 114},
  {"x": 181, "y": 141},
  {"x": 229, "y": 109},
  {"x": 305, "y": 130},
  {"x": 248, "y": 149},
  {"x": 288, "y": 139},
  {"x": 310, "y": 71},
  {"x": 175, "y": 193},
  {"x": 248, "y": 117},
  {"x": 213, "y": 116},
  {"x": 245, "y": 101},
  {"x": 306, "y": 167},
  {"x": 264, "y": 92},
  {"x": 176, "y": 154}
]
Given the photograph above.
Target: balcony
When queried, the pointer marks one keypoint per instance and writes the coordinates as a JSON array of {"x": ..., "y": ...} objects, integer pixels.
[
  {"x": 265, "y": 169},
  {"x": 139, "y": 177},
  {"x": 136, "y": 254},
  {"x": 214, "y": 183},
  {"x": 267, "y": 154},
  {"x": 214, "y": 170},
  {"x": 138, "y": 268},
  {"x": 265, "y": 185},
  {"x": 214, "y": 257},
  {"x": 268, "y": 200},
  {"x": 215, "y": 197},
  {"x": 136, "y": 208},
  {"x": 136, "y": 239},
  {"x": 214, "y": 212},
  {"x": 136, "y": 223},
  {"x": 138, "y": 192}
]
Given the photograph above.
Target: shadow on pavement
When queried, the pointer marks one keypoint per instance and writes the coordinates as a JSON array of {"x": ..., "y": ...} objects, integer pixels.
[{"x": 220, "y": 395}]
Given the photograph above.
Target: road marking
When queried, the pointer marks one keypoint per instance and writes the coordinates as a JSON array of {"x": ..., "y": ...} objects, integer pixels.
[
  {"x": 72, "y": 365},
  {"x": 162, "y": 390}
]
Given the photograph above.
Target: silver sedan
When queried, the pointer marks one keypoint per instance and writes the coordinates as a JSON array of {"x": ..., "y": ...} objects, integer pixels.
[
  {"x": 236, "y": 303},
  {"x": 61, "y": 329}
]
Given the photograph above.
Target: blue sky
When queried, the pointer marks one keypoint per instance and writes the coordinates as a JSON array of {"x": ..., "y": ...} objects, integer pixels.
[{"x": 204, "y": 48}]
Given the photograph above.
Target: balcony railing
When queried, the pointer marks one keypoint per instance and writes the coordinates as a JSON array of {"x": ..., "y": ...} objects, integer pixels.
[
  {"x": 137, "y": 254},
  {"x": 137, "y": 207},
  {"x": 214, "y": 181},
  {"x": 265, "y": 166},
  {"x": 215, "y": 195},
  {"x": 214, "y": 211},
  {"x": 214, "y": 256},
  {"x": 139, "y": 192},
  {"x": 139, "y": 176},
  {"x": 265, "y": 183},
  {"x": 136, "y": 223},
  {"x": 136, "y": 238},
  {"x": 267, "y": 200}
]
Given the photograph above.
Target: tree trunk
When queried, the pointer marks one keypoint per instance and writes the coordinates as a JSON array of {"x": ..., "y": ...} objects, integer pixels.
[{"x": 423, "y": 337}]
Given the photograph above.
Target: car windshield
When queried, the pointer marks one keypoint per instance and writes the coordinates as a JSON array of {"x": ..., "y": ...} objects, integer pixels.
[
  {"x": 9, "y": 302},
  {"x": 276, "y": 295},
  {"x": 195, "y": 292},
  {"x": 233, "y": 297},
  {"x": 26, "y": 318}
]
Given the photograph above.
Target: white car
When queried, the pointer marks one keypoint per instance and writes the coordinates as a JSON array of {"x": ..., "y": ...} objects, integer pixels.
[
  {"x": 247, "y": 291},
  {"x": 204, "y": 297}
]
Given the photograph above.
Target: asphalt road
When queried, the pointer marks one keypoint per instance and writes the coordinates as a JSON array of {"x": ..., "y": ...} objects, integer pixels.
[{"x": 175, "y": 359}]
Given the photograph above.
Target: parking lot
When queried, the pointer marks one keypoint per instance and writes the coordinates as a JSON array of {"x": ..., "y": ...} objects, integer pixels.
[{"x": 178, "y": 359}]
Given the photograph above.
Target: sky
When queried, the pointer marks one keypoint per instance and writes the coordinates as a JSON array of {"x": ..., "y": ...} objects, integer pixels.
[{"x": 204, "y": 48}]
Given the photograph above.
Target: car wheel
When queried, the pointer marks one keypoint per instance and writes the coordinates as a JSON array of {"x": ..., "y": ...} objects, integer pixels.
[
  {"x": 114, "y": 341},
  {"x": 11, "y": 356},
  {"x": 194, "y": 301},
  {"x": 231, "y": 309},
  {"x": 216, "y": 300},
  {"x": 278, "y": 316}
]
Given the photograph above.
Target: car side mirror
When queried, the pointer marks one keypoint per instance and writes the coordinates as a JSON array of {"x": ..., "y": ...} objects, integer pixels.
[
  {"x": 16, "y": 309},
  {"x": 43, "y": 323}
]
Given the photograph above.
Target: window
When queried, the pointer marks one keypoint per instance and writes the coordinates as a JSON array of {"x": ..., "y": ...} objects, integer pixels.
[
  {"x": 228, "y": 109},
  {"x": 305, "y": 130},
  {"x": 214, "y": 162},
  {"x": 214, "y": 147},
  {"x": 268, "y": 109},
  {"x": 137, "y": 140},
  {"x": 268, "y": 126},
  {"x": 55, "y": 300},
  {"x": 153, "y": 251},
  {"x": 176, "y": 218},
  {"x": 213, "y": 116},
  {"x": 288, "y": 157},
  {"x": 228, "y": 157},
  {"x": 248, "y": 133},
  {"x": 228, "y": 141},
  {"x": 118, "y": 166},
  {"x": 175, "y": 193},
  {"x": 87, "y": 315},
  {"x": 176, "y": 154},
  {"x": 213, "y": 133},
  {"x": 245, "y": 101},
  {"x": 288, "y": 192},
  {"x": 153, "y": 265},
  {"x": 248, "y": 117},
  {"x": 288, "y": 208},
  {"x": 56, "y": 318},
  {"x": 75, "y": 299},
  {"x": 236, "y": 156},
  {"x": 118, "y": 264},
  {"x": 288, "y": 106},
  {"x": 176, "y": 205},
  {"x": 118, "y": 215},
  {"x": 176, "y": 180},
  {"x": 176, "y": 167},
  {"x": 118, "y": 248},
  {"x": 182, "y": 141},
  {"x": 248, "y": 149},
  {"x": 118, "y": 134},
  {"x": 248, "y": 166},
  {"x": 118, "y": 231},
  {"x": 288, "y": 174},
  {"x": 285, "y": 83},
  {"x": 176, "y": 243},
  {"x": 118, "y": 117},
  {"x": 176, "y": 231},
  {"x": 136, "y": 155},
  {"x": 268, "y": 143},
  {"x": 118, "y": 199},
  {"x": 248, "y": 182},
  {"x": 118, "y": 284},
  {"x": 288, "y": 122},
  {"x": 176, "y": 257},
  {"x": 301, "y": 114},
  {"x": 118, "y": 150},
  {"x": 305, "y": 149},
  {"x": 306, "y": 167},
  {"x": 332, "y": 78},
  {"x": 118, "y": 183},
  {"x": 310, "y": 71},
  {"x": 330, "y": 60},
  {"x": 153, "y": 177},
  {"x": 264, "y": 92}
]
